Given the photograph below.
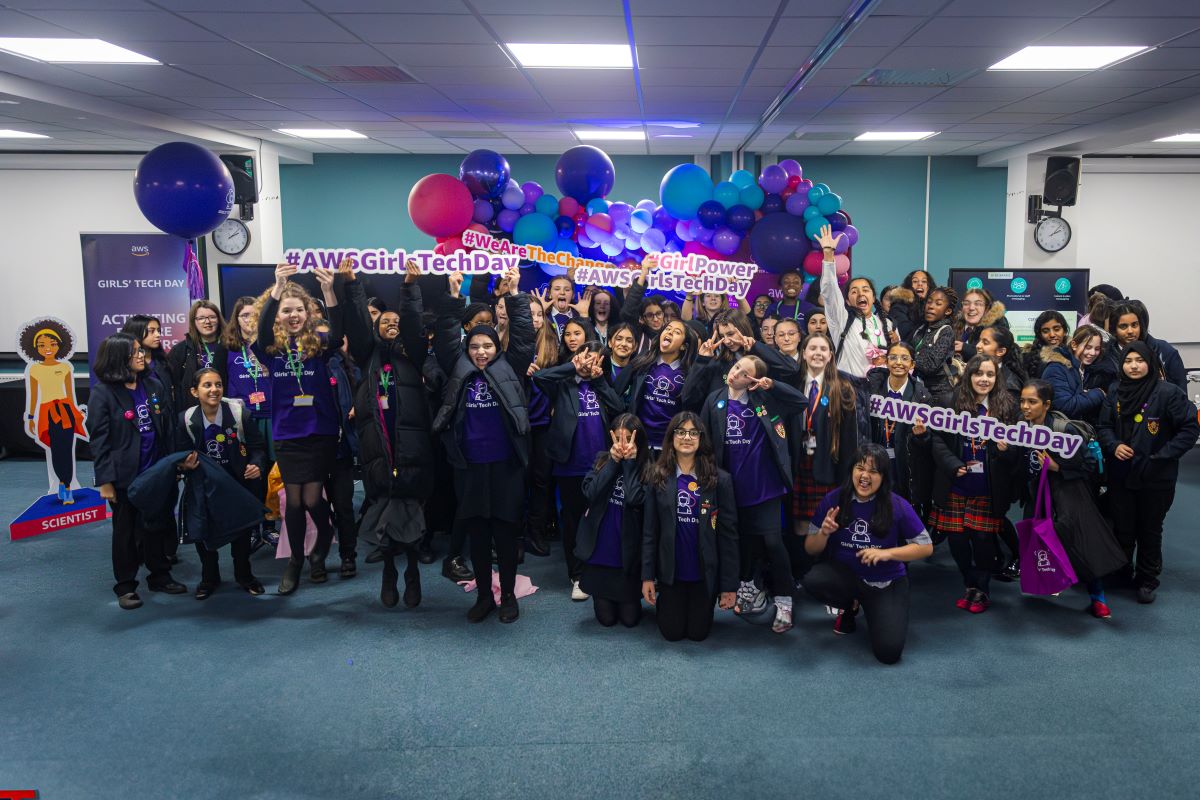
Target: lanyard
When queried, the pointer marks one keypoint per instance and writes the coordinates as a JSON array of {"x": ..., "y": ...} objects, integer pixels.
[
  {"x": 385, "y": 380},
  {"x": 295, "y": 364},
  {"x": 812, "y": 410},
  {"x": 870, "y": 334},
  {"x": 208, "y": 356},
  {"x": 251, "y": 364},
  {"x": 795, "y": 309}
]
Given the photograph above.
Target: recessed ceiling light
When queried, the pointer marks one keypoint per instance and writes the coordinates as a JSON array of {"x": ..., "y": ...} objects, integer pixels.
[
  {"x": 1064, "y": 57},
  {"x": 572, "y": 56},
  {"x": 10, "y": 102},
  {"x": 1181, "y": 137},
  {"x": 322, "y": 133},
  {"x": 894, "y": 136},
  {"x": 672, "y": 136},
  {"x": 612, "y": 136},
  {"x": 11, "y": 134},
  {"x": 72, "y": 51}
]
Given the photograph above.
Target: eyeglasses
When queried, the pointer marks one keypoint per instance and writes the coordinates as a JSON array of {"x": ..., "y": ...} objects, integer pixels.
[
  {"x": 687, "y": 433},
  {"x": 206, "y": 319},
  {"x": 900, "y": 357},
  {"x": 652, "y": 315}
]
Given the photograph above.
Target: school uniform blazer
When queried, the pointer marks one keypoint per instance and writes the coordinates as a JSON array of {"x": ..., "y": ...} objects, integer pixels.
[
  {"x": 597, "y": 488},
  {"x": 1000, "y": 467},
  {"x": 825, "y": 469},
  {"x": 780, "y": 403},
  {"x": 1172, "y": 364},
  {"x": 1070, "y": 395},
  {"x": 708, "y": 373},
  {"x": 560, "y": 385},
  {"x": 191, "y": 437},
  {"x": 717, "y": 539},
  {"x": 183, "y": 364},
  {"x": 115, "y": 442},
  {"x": 1168, "y": 431},
  {"x": 913, "y": 464},
  {"x": 780, "y": 368}
]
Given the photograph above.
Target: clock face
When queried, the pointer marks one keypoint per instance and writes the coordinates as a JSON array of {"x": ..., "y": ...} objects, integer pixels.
[
  {"x": 232, "y": 237},
  {"x": 1052, "y": 234}
]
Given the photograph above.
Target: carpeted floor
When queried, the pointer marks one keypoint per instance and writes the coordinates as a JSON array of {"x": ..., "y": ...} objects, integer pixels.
[{"x": 327, "y": 694}]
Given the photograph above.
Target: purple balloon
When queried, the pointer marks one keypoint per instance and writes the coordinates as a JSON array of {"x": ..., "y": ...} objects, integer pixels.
[
  {"x": 838, "y": 221},
  {"x": 584, "y": 240},
  {"x": 507, "y": 220},
  {"x": 842, "y": 245},
  {"x": 683, "y": 230},
  {"x": 648, "y": 205},
  {"x": 483, "y": 211},
  {"x": 485, "y": 172},
  {"x": 792, "y": 167},
  {"x": 851, "y": 233},
  {"x": 620, "y": 212},
  {"x": 584, "y": 172},
  {"x": 804, "y": 186},
  {"x": 654, "y": 240},
  {"x": 796, "y": 204},
  {"x": 663, "y": 220},
  {"x": 183, "y": 189},
  {"x": 705, "y": 236},
  {"x": 532, "y": 191},
  {"x": 726, "y": 241},
  {"x": 773, "y": 179},
  {"x": 612, "y": 247},
  {"x": 528, "y": 208},
  {"x": 513, "y": 198}
]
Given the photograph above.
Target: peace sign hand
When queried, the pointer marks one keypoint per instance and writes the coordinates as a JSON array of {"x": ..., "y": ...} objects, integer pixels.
[
  {"x": 830, "y": 523},
  {"x": 708, "y": 347},
  {"x": 765, "y": 384},
  {"x": 540, "y": 296}
]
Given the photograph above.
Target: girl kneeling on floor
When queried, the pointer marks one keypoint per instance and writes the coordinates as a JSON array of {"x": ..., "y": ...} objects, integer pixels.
[{"x": 866, "y": 534}]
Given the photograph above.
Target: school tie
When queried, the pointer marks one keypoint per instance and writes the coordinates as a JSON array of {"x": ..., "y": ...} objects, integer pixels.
[{"x": 812, "y": 396}]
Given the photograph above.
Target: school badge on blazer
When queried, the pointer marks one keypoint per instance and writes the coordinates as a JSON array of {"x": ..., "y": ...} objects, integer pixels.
[
  {"x": 1152, "y": 427},
  {"x": 782, "y": 431}
]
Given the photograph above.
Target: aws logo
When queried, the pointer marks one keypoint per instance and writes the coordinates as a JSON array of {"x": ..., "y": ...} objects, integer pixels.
[{"x": 140, "y": 250}]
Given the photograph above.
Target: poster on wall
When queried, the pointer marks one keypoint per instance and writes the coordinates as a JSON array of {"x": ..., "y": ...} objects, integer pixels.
[
  {"x": 1026, "y": 293},
  {"x": 133, "y": 273}
]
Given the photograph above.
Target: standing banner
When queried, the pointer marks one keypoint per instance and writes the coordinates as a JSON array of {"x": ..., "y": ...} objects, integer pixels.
[
  {"x": 1028, "y": 292},
  {"x": 133, "y": 273}
]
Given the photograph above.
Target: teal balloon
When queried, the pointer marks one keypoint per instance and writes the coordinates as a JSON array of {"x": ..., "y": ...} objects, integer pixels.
[
  {"x": 829, "y": 204},
  {"x": 683, "y": 189},
  {"x": 824, "y": 187},
  {"x": 742, "y": 179},
  {"x": 536, "y": 229},
  {"x": 752, "y": 196},
  {"x": 597, "y": 205},
  {"x": 726, "y": 193},
  {"x": 547, "y": 204},
  {"x": 811, "y": 228},
  {"x": 815, "y": 194},
  {"x": 811, "y": 213}
]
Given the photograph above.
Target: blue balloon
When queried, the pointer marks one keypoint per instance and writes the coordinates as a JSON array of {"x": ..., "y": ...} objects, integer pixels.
[
  {"x": 525, "y": 209},
  {"x": 683, "y": 189},
  {"x": 829, "y": 203},
  {"x": 824, "y": 187},
  {"x": 547, "y": 204},
  {"x": 566, "y": 227},
  {"x": 483, "y": 211},
  {"x": 740, "y": 218},
  {"x": 513, "y": 198},
  {"x": 641, "y": 221},
  {"x": 647, "y": 204},
  {"x": 742, "y": 179},
  {"x": 813, "y": 227},
  {"x": 654, "y": 241},
  {"x": 183, "y": 189},
  {"x": 536, "y": 229},
  {"x": 726, "y": 193},
  {"x": 778, "y": 243},
  {"x": 752, "y": 197},
  {"x": 620, "y": 212},
  {"x": 811, "y": 213},
  {"x": 663, "y": 221},
  {"x": 597, "y": 205},
  {"x": 711, "y": 214},
  {"x": 486, "y": 174},
  {"x": 584, "y": 172},
  {"x": 838, "y": 221},
  {"x": 772, "y": 203},
  {"x": 815, "y": 194}
]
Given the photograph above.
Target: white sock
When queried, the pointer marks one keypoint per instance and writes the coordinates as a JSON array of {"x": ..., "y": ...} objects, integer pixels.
[{"x": 784, "y": 602}]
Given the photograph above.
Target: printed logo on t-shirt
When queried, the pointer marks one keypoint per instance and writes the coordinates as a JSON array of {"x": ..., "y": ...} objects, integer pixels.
[
  {"x": 860, "y": 531},
  {"x": 618, "y": 492},
  {"x": 589, "y": 402},
  {"x": 735, "y": 424},
  {"x": 213, "y": 449},
  {"x": 685, "y": 504},
  {"x": 143, "y": 416},
  {"x": 660, "y": 387},
  {"x": 480, "y": 394}
]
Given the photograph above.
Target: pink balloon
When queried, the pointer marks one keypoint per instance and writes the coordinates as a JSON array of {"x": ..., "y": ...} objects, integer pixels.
[
  {"x": 842, "y": 265},
  {"x": 695, "y": 248},
  {"x": 812, "y": 262},
  {"x": 440, "y": 205},
  {"x": 439, "y": 249},
  {"x": 454, "y": 245},
  {"x": 567, "y": 207},
  {"x": 475, "y": 226},
  {"x": 843, "y": 279}
]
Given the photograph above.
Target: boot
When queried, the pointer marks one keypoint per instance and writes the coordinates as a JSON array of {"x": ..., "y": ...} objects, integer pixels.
[
  {"x": 412, "y": 586},
  {"x": 291, "y": 575},
  {"x": 484, "y": 604},
  {"x": 389, "y": 595},
  {"x": 508, "y": 607}
]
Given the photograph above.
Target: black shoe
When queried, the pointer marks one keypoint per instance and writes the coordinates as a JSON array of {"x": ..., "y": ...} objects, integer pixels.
[
  {"x": 508, "y": 608},
  {"x": 535, "y": 545},
  {"x": 1011, "y": 571},
  {"x": 375, "y": 556},
  {"x": 205, "y": 590},
  {"x": 454, "y": 569},
  {"x": 388, "y": 594},
  {"x": 316, "y": 569},
  {"x": 412, "y": 590},
  {"x": 484, "y": 605},
  {"x": 129, "y": 601},
  {"x": 254, "y": 587},
  {"x": 170, "y": 586},
  {"x": 348, "y": 568},
  {"x": 1145, "y": 594},
  {"x": 291, "y": 576},
  {"x": 425, "y": 554},
  {"x": 845, "y": 622}
]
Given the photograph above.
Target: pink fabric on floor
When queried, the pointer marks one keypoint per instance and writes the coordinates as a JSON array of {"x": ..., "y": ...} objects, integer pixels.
[
  {"x": 283, "y": 549},
  {"x": 522, "y": 588}
]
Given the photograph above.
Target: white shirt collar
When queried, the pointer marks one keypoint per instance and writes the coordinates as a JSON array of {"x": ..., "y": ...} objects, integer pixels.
[
  {"x": 901, "y": 389},
  {"x": 673, "y": 365}
]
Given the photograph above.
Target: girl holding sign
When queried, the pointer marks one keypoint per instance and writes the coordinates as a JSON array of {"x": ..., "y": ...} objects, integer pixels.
[
  {"x": 1146, "y": 426},
  {"x": 906, "y": 444},
  {"x": 305, "y": 421},
  {"x": 973, "y": 481}
]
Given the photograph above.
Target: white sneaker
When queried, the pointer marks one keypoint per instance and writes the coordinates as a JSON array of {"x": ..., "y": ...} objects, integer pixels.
[{"x": 577, "y": 593}]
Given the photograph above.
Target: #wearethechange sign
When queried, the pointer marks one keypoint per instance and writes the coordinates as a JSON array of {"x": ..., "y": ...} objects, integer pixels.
[{"x": 1021, "y": 434}]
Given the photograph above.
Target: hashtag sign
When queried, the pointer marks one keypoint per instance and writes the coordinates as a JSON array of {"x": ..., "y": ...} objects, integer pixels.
[
  {"x": 293, "y": 258},
  {"x": 876, "y": 403}
]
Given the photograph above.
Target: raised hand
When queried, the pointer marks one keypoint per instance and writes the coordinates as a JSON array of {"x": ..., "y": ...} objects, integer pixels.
[
  {"x": 584, "y": 304},
  {"x": 581, "y": 363},
  {"x": 455, "y": 280},
  {"x": 412, "y": 271},
  {"x": 764, "y": 384},
  {"x": 346, "y": 269},
  {"x": 648, "y": 263},
  {"x": 830, "y": 523},
  {"x": 283, "y": 272},
  {"x": 708, "y": 347},
  {"x": 512, "y": 279},
  {"x": 541, "y": 296},
  {"x": 826, "y": 239},
  {"x": 324, "y": 277}
]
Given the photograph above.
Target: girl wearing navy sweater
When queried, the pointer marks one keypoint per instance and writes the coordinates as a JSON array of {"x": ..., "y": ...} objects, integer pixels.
[
  {"x": 689, "y": 541},
  {"x": 609, "y": 542},
  {"x": 305, "y": 420},
  {"x": 827, "y": 433},
  {"x": 130, "y": 427}
]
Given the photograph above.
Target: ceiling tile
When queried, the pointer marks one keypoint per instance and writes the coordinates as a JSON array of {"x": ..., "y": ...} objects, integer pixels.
[
  {"x": 736, "y": 58},
  {"x": 1013, "y": 32},
  {"x": 696, "y": 31},
  {"x": 297, "y": 28},
  {"x": 1017, "y": 8},
  {"x": 550, "y": 28},
  {"x": 802, "y": 32},
  {"x": 121, "y": 27},
  {"x": 446, "y": 55},
  {"x": 415, "y": 28},
  {"x": 1120, "y": 30}
]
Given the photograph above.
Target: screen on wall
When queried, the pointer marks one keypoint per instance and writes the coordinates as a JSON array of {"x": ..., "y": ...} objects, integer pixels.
[{"x": 1028, "y": 292}]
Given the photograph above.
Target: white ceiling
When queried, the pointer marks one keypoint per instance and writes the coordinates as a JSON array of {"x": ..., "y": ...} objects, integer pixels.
[{"x": 235, "y": 66}]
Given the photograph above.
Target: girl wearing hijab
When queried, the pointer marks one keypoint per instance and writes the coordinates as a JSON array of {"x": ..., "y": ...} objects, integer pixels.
[
  {"x": 689, "y": 541},
  {"x": 1130, "y": 321},
  {"x": 1146, "y": 426},
  {"x": 609, "y": 542},
  {"x": 867, "y": 534}
]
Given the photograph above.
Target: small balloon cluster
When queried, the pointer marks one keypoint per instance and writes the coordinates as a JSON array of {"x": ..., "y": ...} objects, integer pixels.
[{"x": 770, "y": 221}]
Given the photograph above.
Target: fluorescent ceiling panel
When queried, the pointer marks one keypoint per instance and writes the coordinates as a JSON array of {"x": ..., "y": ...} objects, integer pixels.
[
  {"x": 572, "y": 56},
  {"x": 1068, "y": 57},
  {"x": 72, "y": 51}
]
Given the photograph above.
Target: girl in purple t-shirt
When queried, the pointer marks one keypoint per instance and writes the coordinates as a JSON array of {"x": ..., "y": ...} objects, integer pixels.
[{"x": 654, "y": 380}]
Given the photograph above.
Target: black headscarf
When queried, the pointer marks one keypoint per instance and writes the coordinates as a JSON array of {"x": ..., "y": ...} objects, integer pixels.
[
  {"x": 482, "y": 330},
  {"x": 1132, "y": 394}
]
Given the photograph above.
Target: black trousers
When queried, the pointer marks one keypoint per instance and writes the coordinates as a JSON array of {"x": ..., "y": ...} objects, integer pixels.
[
  {"x": 483, "y": 535},
  {"x": 685, "y": 610},
  {"x": 759, "y": 536},
  {"x": 570, "y": 492},
  {"x": 62, "y": 453},
  {"x": 541, "y": 485},
  {"x": 339, "y": 487},
  {"x": 210, "y": 570},
  {"x": 886, "y": 610},
  {"x": 610, "y": 612},
  {"x": 801, "y": 561},
  {"x": 1138, "y": 524},
  {"x": 134, "y": 544},
  {"x": 976, "y": 555}
]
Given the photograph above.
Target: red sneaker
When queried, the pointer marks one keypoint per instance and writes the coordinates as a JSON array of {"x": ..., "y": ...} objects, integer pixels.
[
  {"x": 845, "y": 622},
  {"x": 965, "y": 601},
  {"x": 1099, "y": 610},
  {"x": 979, "y": 603}
]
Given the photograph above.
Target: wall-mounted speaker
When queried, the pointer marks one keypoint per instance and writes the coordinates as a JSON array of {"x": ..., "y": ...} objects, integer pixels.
[
  {"x": 1062, "y": 181},
  {"x": 245, "y": 183}
]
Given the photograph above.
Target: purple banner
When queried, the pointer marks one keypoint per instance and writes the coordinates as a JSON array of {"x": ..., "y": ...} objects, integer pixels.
[{"x": 133, "y": 273}]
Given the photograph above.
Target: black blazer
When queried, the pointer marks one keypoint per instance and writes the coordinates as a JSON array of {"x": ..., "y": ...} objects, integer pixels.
[
  {"x": 1168, "y": 432},
  {"x": 717, "y": 540},
  {"x": 1001, "y": 470},
  {"x": 559, "y": 384},
  {"x": 191, "y": 436},
  {"x": 781, "y": 402},
  {"x": 184, "y": 362},
  {"x": 115, "y": 442},
  {"x": 826, "y": 471},
  {"x": 597, "y": 488},
  {"x": 913, "y": 463}
]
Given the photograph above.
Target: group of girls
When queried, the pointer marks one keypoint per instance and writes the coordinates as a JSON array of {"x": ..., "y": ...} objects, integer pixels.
[{"x": 689, "y": 457}]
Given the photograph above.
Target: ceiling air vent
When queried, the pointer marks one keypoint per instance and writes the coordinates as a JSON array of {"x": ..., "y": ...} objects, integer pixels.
[
  {"x": 359, "y": 74},
  {"x": 914, "y": 77}
]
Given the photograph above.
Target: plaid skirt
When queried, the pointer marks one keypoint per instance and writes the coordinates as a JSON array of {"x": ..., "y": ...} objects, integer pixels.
[
  {"x": 966, "y": 513},
  {"x": 808, "y": 493}
]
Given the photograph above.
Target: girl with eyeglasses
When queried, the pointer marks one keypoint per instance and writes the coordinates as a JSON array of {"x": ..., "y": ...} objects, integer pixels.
[
  {"x": 200, "y": 349},
  {"x": 148, "y": 331},
  {"x": 978, "y": 311},
  {"x": 689, "y": 541}
]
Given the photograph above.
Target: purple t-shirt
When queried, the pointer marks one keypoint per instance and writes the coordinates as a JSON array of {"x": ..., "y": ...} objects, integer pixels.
[
  {"x": 789, "y": 311},
  {"x": 485, "y": 439},
  {"x": 248, "y": 380},
  {"x": 973, "y": 484},
  {"x": 292, "y": 377},
  {"x": 660, "y": 400},
  {"x": 845, "y": 543},
  {"x": 145, "y": 426},
  {"x": 539, "y": 407},
  {"x": 589, "y": 434},
  {"x": 748, "y": 457},
  {"x": 608, "y": 536},
  {"x": 687, "y": 528}
]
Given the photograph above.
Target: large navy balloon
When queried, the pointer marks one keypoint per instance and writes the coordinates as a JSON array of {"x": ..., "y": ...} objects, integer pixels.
[
  {"x": 778, "y": 242},
  {"x": 183, "y": 189},
  {"x": 584, "y": 172},
  {"x": 486, "y": 173}
]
